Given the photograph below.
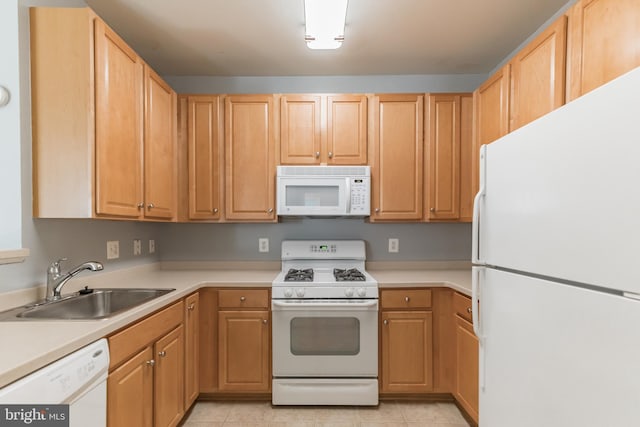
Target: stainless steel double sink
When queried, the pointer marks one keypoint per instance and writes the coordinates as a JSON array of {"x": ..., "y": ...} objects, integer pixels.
[{"x": 96, "y": 305}]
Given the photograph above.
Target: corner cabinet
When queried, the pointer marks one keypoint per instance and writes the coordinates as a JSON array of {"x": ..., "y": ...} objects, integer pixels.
[
  {"x": 103, "y": 127},
  {"x": 205, "y": 158},
  {"x": 250, "y": 158},
  {"x": 396, "y": 157},
  {"x": 145, "y": 386},
  {"x": 406, "y": 355},
  {"x": 191, "y": 349},
  {"x": 466, "y": 356}
]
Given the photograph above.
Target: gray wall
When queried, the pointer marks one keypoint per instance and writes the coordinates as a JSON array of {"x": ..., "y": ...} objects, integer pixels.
[{"x": 230, "y": 242}]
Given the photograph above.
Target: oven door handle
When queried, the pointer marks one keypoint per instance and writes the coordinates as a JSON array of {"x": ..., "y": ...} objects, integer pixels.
[{"x": 333, "y": 306}]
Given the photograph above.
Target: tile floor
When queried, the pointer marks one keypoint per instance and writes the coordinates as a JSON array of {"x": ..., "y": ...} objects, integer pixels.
[{"x": 262, "y": 414}]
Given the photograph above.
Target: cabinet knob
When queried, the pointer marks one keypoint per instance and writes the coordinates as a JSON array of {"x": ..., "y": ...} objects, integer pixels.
[
  {"x": 331, "y": 154},
  {"x": 215, "y": 210},
  {"x": 317, "y": 154},
  {"x": 242, "y": 299},
  {"x": 468, "y": 309},
  {"x": 191, "y": 306},
  {"x": 377, "y": 210},
  {"x": 150, "y": 206},
  {"x": 264, "y": 321},
  {"x": 407, "y": 299},
  {"x": 162, "y": 353},
  {"x": 432, "y": 210},
  {"x": 140, "y": 205},
  {"x": 270, "y": 210},
  {"x": 385, "y": 321},
  {"x": 151, "y": 362}
]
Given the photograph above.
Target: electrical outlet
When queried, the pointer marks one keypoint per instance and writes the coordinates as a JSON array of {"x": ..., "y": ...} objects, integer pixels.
[
  {"x": 113, "y": 249},
  {"x": 152, "y": 246},
  {"x": 137, "y": 247},
  {"x": 394, "y": 245},
  {"x": 263, "y": 244}
]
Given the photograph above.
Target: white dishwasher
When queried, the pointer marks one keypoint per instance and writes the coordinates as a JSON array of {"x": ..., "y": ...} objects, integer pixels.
[{"x": 79, "y": 380}]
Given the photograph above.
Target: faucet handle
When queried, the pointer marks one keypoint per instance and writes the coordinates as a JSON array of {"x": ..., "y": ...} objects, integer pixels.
[{"x": 55, "y": 266}]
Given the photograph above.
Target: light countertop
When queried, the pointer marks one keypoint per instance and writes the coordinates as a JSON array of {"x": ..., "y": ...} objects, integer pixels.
[{"x": 30, "y": 345}]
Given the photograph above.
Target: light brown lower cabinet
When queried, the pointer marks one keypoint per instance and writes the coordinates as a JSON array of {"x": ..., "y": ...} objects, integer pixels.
[
  {"x": 466, "y": 354},
  {"x": 191, "y": 349},
  {"x": 145, "y": 386},
  {"x": 406, "y": 341}
]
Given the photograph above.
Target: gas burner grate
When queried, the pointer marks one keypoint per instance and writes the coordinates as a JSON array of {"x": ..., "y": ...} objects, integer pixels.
[
  {"x": 348, "y": 275},
  {"x": 295, "y": 275}
]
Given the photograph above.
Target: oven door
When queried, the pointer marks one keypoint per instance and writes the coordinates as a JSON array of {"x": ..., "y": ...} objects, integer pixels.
[{"x": 325, "y": 338}]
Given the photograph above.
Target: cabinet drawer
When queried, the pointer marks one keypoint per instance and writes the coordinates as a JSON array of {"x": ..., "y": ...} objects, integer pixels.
[
  {"x": 405, "y": 298},
  {"x": 462, "y": 306},
  {"x": 243, "y": 298},
  {"x": 126, "y": 342}
]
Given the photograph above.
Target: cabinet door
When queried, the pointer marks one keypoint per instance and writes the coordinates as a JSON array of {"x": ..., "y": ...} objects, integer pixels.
[
  {"x": 130, "y": 392},
  {"x": 160, "y": 177},
  {"x": 169, "y": 379},
  {"x": 443, "y": 157},
  {"x": 603, "y": 43},
  {"x": 407, "y": 352},
  {"x": 466, "y": 157},
  {"x": 250, "y": 158},
  {"x": 347, "y": 129},
  {"x": 396, "y": 160},
  {"x": 119, "y": 99},
  {"x": 191, "y": 349},
  {"x": 300, "y": 129},
  {"x": 204, "y": 157},
  {"x": 466, "y": 384},
  {"x": 244, "y": 351},
  {"x": 538, "y": 76},
  {"x": 491, "y": 119}
]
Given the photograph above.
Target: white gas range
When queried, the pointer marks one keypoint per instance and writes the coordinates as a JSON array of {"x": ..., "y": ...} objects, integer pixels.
[{"x": 325, "y": 325}]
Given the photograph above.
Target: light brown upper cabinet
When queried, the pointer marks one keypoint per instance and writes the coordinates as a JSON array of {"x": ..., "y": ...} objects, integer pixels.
[
  {"x": 466, "y": 157},
  {"x": 491, "y": 115},
  {"x": 160, "y": 191},
  {"x": 448, "y": 157},
  {"x": 538, "y": 76},
  {"x": 396, "y": 157},
  {"x": 603, "y": 43},
  {"x": 323, "y": 129},
  {"x": 204, "y": 158},
  {"x": 91, "y": 157},
  {"x": 250, "y": 154},
  {"x": 442, "y": 157}
]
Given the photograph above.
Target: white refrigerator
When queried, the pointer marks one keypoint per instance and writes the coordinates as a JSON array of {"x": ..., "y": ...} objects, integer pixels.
[{"x": 556, "y": 281}]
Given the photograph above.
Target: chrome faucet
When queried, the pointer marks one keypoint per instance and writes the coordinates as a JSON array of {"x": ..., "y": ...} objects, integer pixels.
[{"x": 56, "y": 280}]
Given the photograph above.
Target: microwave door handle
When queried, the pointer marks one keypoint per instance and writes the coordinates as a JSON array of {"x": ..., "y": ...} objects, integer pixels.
[{"x": 348, "y": 195}]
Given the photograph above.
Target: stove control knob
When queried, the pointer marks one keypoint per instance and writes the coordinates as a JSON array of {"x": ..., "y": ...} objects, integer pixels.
[
  {"x": 362, "y": 292},
  {"x": 288, "y": 292},
  {"x": 300, "y": 292},
  {"x": 348, "y": 292}
]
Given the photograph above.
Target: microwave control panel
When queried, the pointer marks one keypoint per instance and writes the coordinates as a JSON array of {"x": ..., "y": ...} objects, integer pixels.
[{"x": 360, "y": 196}]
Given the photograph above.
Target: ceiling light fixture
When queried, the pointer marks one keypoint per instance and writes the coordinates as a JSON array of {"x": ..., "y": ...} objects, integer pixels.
[{"x": 324, "y": 23}]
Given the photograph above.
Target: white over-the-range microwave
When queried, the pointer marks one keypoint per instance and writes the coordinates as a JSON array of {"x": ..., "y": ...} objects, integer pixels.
[{"x": 323, "y": 191}]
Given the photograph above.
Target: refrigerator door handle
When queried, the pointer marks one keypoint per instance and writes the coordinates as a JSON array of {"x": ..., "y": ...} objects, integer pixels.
[
  {"x": 475, "y": 317},
  {"x": 475, "y": 247}
]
